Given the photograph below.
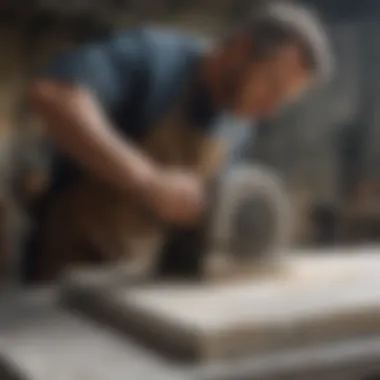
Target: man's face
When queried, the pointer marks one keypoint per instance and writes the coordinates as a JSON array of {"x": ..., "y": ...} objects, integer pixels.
[{"x": 265, "y": 86}]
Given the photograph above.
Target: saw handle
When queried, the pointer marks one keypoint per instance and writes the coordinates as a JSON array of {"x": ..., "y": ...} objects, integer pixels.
[{"x": 182, "y": 255}]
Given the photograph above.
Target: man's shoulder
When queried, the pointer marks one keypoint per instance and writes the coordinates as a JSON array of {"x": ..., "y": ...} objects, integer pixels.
[
  {"x": 174, "y": 37},
  {"x": 151, "y": 46},
  {"x": 161, "y": 40}
]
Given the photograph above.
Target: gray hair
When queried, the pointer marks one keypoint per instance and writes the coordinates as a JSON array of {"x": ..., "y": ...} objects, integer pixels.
[{"x": 276, "y": 22}]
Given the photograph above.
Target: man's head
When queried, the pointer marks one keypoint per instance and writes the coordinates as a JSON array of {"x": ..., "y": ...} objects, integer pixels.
[{"x": 272, "y": 58}]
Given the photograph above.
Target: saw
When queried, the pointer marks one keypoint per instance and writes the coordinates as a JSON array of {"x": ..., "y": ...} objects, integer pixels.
[{"x": 246, "y": 228}]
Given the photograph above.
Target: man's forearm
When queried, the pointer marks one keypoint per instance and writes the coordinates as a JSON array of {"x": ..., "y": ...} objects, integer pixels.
[{"x": 75, "y": 121}]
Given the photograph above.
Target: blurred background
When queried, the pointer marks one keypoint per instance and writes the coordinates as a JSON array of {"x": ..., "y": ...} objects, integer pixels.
[{"x": 325, "y": 147}]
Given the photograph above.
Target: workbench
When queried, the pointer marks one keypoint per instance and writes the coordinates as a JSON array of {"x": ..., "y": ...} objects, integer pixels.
[{"x": 42, "y": 340}]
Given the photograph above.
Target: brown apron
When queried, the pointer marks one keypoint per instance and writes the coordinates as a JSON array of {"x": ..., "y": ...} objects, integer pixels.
[{"x": 92, "y": 222}]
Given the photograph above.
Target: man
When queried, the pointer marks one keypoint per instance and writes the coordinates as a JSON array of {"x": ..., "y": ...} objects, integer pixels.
[{"x": 99, "y": 102}]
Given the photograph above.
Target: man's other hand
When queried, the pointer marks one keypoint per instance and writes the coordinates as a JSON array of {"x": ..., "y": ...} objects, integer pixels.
[{"x": 176, "y": 196}]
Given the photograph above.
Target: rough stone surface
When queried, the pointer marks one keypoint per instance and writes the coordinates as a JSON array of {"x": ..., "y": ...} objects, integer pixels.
[
  {"x": 316, "y": 298},
  {"x": 41, "y": 341}
]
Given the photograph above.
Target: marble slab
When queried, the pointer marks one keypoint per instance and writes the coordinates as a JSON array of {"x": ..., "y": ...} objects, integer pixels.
[{"x": 317, "y": 297}]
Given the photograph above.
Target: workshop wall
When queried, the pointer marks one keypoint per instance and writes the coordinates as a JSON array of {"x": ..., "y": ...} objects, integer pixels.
[{"x": 327, "y": 145}]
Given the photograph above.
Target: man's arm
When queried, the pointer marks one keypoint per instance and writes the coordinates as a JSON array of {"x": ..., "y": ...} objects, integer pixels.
[
  {"x": 73, "y": 99},
  {"x": 76, "y": 121},
  {"x": 74, "y": 95}
]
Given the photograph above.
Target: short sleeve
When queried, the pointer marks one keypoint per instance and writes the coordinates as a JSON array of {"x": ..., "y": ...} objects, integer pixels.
[{"x": 106, "y": 69}]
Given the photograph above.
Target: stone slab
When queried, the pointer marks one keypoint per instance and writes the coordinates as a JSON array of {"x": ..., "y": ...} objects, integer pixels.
[
  {"x": 42, "y": 341},
  {"x": 317, "y": 298}
]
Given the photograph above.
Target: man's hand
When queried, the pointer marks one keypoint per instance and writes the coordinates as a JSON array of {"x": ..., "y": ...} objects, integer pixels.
[{"x": 177, "y": 197}]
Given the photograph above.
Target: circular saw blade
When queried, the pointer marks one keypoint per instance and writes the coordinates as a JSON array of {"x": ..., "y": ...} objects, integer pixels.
[{"x": 251, "y": 217}]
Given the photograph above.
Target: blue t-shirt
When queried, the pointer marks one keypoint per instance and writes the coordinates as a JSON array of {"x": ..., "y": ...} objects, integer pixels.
[{"x": 137, "y": 75}]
